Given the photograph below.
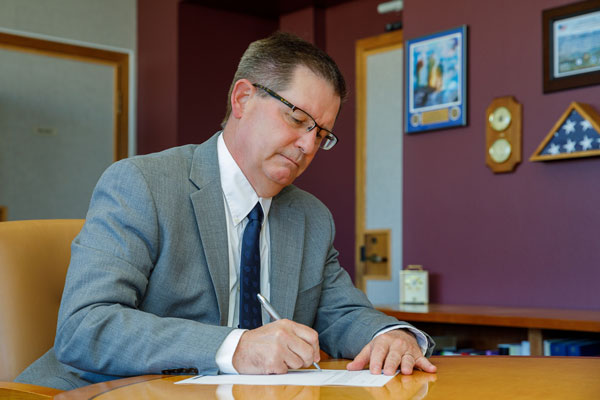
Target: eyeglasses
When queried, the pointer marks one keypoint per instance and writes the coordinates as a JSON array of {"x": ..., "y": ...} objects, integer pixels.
[{"x": 299, "y": 119}]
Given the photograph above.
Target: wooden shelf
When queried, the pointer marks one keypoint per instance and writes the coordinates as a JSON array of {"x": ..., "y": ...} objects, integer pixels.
[{"x": 469, "y": 318}]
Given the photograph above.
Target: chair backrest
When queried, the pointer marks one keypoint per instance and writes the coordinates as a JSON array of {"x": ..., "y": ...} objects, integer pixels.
[{"x": 34, "y": 257}]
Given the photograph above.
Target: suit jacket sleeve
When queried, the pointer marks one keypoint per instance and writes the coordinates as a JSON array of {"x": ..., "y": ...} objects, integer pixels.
[
  {"x": 346, "y": 320},
  {"x": 103, "y": 326}
]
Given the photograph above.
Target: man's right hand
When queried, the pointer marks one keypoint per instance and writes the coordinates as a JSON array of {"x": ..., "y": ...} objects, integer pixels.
[{"x": 276, "y": 347}]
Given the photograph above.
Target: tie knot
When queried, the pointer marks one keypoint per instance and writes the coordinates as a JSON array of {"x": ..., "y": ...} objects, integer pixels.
[{"x": 256, "y": 214}]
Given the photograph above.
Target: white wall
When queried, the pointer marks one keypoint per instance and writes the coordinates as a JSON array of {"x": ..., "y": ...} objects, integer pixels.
[
  {"x": 52, "y": 176},
  {"x": 104, "y": 22}
]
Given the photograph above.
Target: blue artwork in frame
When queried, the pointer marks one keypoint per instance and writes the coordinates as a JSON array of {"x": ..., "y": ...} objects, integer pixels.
[{"x": 436, "y": 81}]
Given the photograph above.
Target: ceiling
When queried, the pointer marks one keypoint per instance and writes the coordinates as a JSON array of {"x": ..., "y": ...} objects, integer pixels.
[{"x": 271, "y": 9}]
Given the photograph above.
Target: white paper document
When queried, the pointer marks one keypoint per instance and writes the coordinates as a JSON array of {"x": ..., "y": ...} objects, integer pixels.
[{"x": 307, "y": 377}]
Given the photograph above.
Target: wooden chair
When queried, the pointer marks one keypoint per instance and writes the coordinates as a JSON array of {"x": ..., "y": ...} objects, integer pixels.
[
  {"x": 34, "y": 257},
  {"x": 3, "y": 213}
]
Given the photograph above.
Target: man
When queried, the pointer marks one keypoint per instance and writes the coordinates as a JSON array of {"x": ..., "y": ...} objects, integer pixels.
[{"x": 160, "y": 278}]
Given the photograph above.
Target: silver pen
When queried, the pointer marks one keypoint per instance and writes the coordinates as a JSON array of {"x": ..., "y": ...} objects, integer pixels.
[{"x": 275, "y": 315}]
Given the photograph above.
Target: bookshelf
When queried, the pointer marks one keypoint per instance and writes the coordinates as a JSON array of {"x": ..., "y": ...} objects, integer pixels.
[{"x": 484, "y": 327}]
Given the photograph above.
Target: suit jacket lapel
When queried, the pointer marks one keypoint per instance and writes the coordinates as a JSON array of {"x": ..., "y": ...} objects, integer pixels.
[
  {"x": 210, "y": 217},
  {"x": 286, "y": 226}
]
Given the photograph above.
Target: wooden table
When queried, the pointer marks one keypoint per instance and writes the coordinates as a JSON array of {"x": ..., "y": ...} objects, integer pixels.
[
  {"x": 22, "y": 391},
  {"x": 468, "y": 321},
  {"x": 464, "y": 377}
]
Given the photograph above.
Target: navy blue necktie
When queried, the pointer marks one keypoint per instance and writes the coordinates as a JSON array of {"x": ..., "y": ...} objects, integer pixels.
[{"x": 250, "y": 311}]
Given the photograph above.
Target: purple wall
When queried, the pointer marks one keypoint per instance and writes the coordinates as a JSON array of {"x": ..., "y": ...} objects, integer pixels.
[
  {"x": 527, "y": 238},
  {"x": 206, "y": 66},
  {"x": 308, "y": 23},
  {"x": 183, "y": 72},
  {"x": 157, "y": 75}
]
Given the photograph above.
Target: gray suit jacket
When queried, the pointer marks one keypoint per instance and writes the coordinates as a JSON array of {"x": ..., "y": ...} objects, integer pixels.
[{"x": 148, "y": 286}]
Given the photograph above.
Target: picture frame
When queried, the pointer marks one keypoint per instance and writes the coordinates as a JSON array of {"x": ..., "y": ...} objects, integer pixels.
[
  {"x": 571, "y": 46},
  {"x": 436, "y": 81}
]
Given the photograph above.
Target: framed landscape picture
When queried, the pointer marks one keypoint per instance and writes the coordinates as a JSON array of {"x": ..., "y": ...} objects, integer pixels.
[
  {"x": 571, "y": 47},
  {"x": 436, "y": 81}
]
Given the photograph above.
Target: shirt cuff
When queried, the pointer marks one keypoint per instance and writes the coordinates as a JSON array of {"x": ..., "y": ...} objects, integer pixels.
[
  {"x": 224, "y": 356},
  {"x": 420, "y": 336}
]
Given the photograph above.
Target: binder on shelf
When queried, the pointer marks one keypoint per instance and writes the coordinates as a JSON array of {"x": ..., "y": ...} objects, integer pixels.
[
  {"x": 559, "y": 348},
  {"x": 525, "y": 348},
  {"x": 511, "y": 349},
  {"x": 584, "y": 348},
  {"x": 548, "y": 344}
]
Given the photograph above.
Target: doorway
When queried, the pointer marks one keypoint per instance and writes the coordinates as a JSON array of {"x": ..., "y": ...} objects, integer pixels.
[
  {"x": 64, "y": 113},
  {"x": 379, "y": 138}
]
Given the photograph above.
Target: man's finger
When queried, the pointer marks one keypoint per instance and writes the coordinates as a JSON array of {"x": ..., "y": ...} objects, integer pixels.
[
  {"x": 407, "y": 365},
  {"x": 392, "y": 362},
  {"x": 379, "y": 353},
  {"x": 426, "y": 365},
  {"x": 360, "y": 360},
  {"x": 303, "y": 351},
  {"x": 309, "y": 336},
  {"x": 293, "y": 360}
]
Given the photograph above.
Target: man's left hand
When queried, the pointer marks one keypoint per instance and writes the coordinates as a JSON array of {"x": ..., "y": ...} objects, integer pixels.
[{"x": 387, "y": 352}]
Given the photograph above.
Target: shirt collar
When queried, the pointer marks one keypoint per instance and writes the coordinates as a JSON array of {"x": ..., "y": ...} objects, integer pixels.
[{"x": 239, "y": 194}]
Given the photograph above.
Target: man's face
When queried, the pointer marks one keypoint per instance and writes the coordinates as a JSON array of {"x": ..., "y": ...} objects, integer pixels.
[{"x": 270, "y": 151}]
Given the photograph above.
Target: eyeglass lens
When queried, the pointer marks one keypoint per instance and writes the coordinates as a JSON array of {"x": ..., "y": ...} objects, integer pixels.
[{"x": 301, "y": 120}]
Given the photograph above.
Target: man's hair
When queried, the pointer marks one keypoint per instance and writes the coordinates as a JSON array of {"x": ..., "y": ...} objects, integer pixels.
[{"x": 272, "y": 61}]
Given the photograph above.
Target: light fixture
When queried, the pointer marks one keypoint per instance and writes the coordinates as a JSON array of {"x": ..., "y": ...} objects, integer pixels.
[{"x": 390, "y": 6}]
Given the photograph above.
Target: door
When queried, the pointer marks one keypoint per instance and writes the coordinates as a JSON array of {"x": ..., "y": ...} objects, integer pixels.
[
  {"x": 379, "y": 137},
  {"x": 63, "y": 121}
]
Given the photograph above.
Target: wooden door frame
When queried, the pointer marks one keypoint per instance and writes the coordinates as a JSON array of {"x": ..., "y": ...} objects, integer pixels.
[
  {"x": 119, "y": 61},
  {"x": 365, "y": 47}
]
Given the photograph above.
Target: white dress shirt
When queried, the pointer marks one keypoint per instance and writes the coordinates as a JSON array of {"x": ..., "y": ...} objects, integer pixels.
[{"x": 240, "y": 198}]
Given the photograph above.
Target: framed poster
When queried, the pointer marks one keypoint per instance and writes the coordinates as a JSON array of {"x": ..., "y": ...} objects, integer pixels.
[
  {"x": 436, "y": 84},
  {"x": 571, "y": 47}
]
